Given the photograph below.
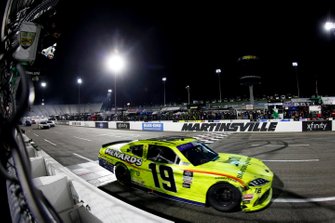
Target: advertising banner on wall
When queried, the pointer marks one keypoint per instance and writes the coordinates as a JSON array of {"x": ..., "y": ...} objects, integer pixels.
[
  {"x": 102, "y": 125},
  {"x": 123, "y": 125},
  {"x": 311, "y": 126},
  {"x": 60, "y": 122},
  {"x": 152, "y": 126}
]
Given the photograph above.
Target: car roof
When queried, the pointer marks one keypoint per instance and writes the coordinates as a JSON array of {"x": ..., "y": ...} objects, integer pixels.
[{"x": 173, "y": 140}]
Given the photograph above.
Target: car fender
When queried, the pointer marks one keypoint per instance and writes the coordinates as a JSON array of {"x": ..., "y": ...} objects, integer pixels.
[{"x": 235, "y": 184}]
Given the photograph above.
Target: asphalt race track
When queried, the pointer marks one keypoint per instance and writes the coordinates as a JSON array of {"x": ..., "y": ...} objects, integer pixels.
[{"x": 304, "y": 164}]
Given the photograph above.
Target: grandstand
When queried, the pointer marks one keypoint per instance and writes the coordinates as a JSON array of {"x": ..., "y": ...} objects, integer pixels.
[{"x": 55, "y": 110}]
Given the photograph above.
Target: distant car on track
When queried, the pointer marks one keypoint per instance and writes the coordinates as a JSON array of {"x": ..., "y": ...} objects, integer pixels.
[
  {"x": 184, "y": 169},
  {"x": 51, "y": 123},
  {"x": 27, "y": 123},
  {"x": 43, "y": 125}
]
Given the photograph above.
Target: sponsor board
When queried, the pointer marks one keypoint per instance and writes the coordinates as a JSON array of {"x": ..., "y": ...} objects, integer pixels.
[
  {"x": 123, "y": 125},
  {"x": 59, "y": 122},
  {"x": 102, "y": 125},
  {"x": 152, "y": 126},
  {"x": 233, "y": 127},
  {"x": 311, "y": 126},
  {"x": 76, "y": 123}
]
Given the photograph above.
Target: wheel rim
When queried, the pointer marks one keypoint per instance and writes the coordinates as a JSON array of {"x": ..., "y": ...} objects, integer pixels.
[{"x": 224, "y": 196}]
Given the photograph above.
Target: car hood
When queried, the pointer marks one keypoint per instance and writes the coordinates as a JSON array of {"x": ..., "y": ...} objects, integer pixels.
[{"x": 238, "y": 167}]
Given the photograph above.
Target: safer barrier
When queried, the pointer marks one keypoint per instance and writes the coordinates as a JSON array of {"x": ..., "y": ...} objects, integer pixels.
[{"x": 215, "y": 126}]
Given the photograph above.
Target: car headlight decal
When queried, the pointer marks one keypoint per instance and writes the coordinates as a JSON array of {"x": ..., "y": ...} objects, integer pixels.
[{"x": 258, "y": 182}]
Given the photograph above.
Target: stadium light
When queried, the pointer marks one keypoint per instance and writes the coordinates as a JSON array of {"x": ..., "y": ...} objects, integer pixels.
[
  {"x": 218, "y": 71},
  {"x": 43, "y": 85},
  {"x": 295, "y": 66},
  {"x": 188, "y": 94},
  {"x": 79, "y": 82},
  {"x": 164, "y": 80},
  {"x": 328, "y": 26},
  {"x": 115, "y": 63}
]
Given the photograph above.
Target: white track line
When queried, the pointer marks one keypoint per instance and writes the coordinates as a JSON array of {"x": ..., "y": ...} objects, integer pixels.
[
  {"x": 297, "y": 145},
  {"x": 50, "y": 142},
  {"x": 82, "y": 138},
  {"x": 83, "y": 157},
  {"x": 35, "y": 134},
  {"x": 277, "y": 145},
  {"x": 303, "y": 200},
  {"x": 291, "y": 161}
]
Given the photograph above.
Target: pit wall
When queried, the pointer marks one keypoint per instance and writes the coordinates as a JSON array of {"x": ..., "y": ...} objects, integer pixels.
[
  {"x": 76, "y": 200},
  {"x": 284, "y": 125}
]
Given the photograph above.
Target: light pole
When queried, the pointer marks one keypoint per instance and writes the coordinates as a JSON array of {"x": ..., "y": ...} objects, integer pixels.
[
  {"x": 109, "y": 99},
  {"x": 164, "y": 80},
  {"x": 188, "y": 94},
  {"x": 295, "y": 67},
  {"x": 329, "y": 26},
  {"x": 79, "y": 82},
  {"x": 115, "y": 63},
  {"x": 43, "y": 85},
  {"x": 218, "y": 71}
]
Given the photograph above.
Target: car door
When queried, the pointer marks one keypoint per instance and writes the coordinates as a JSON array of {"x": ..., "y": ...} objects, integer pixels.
[
  {"x": 136, "y": 151},
  {"x": 162, "y": 169}
]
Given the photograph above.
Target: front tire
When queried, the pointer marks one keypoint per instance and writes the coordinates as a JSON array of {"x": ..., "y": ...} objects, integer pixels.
[
  {"x": 224, "y": 197},
  {"x": 122, "y": 174}
]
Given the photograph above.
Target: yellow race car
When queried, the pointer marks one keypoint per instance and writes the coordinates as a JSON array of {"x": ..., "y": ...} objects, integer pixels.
[{"x": 184, "y": 169}]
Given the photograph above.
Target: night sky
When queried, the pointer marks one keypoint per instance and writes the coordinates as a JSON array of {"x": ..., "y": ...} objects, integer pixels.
[{"x": 186, "y": 43}]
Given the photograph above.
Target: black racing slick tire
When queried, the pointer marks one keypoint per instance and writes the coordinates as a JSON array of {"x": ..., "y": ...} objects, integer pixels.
[
  {"x": 224, "y": 197},
  {"x": 122, "y": 174}
]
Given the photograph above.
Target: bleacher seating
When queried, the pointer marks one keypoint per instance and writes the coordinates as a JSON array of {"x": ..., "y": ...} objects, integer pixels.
[{"x": 54, "y": 110}]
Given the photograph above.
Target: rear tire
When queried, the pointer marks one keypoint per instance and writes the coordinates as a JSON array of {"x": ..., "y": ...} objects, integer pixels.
[
  {"x": 122, "y": 174},
  {"x": 224, "y": 197}
]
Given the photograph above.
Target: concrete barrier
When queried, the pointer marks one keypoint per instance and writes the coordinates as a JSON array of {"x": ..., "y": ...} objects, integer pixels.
[
  {"x": 77, "y": 200},
  {"x": 273, "y": 125}
]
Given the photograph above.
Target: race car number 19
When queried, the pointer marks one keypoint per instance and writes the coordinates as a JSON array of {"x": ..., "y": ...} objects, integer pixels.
[{"x": 166, "y": 174}]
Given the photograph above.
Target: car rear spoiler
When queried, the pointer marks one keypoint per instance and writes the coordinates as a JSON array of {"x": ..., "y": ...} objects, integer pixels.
[{"x": 116, "y": 142}]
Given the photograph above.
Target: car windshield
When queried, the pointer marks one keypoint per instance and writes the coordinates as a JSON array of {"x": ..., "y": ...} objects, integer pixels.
[{"x": 198, "y": 153}]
